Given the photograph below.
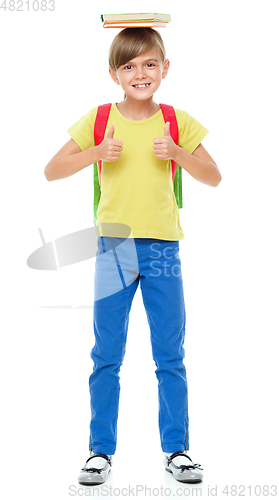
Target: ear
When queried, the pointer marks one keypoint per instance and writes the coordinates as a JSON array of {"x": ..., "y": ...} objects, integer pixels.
[
  {"x": 114, "y": 77},
  {"x": 166, "y": 68}
]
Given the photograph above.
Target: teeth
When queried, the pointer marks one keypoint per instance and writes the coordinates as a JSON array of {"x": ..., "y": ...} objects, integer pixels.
[{"x": 142, "y": 85}]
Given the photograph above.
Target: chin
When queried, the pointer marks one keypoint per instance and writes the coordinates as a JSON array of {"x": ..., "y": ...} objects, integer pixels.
[{"x": 141, "y": 97}]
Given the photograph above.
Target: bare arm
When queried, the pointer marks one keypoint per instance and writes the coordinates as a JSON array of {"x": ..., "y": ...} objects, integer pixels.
[
  {"x": 70, "y": 159},
  {"x": 199, "y": 165}
]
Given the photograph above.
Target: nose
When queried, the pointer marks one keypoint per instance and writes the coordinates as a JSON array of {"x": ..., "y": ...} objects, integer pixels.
[{"x": 140, "y": 73}]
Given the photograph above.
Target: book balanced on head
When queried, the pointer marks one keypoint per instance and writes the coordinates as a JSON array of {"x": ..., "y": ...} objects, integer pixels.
[{"x": 136, "y": 20}]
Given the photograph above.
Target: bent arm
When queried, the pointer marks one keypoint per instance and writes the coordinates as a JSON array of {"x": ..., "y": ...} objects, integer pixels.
[
  {"x": 199, "y": 165},
  {"x": 69, "y": 160}
]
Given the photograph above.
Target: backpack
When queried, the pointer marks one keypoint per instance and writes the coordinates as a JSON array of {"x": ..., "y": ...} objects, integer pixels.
[{"x": 99, "y": 133}]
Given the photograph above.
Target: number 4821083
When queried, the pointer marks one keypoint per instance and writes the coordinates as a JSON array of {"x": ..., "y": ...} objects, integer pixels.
[{"x": 35, "y": 5}]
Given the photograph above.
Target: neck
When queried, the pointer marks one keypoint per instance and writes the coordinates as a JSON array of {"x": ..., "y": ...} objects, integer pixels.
[{"x": 138, "y": 110}]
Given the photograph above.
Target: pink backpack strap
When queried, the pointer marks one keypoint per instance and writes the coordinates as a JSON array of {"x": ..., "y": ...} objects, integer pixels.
[
  {"x": 100, "y": 127},
  {"x": 170, "y": 116}
]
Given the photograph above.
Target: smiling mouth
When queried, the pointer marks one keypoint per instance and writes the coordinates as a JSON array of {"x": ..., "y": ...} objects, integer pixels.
[{"x": 141, "y": 85}]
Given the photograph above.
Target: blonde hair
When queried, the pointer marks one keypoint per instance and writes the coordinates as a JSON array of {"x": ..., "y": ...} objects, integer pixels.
[{"x": 131, "y": 42}]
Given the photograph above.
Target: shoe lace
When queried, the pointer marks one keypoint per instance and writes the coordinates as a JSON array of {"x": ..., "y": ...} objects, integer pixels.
[{"x": 92, "y": 469}]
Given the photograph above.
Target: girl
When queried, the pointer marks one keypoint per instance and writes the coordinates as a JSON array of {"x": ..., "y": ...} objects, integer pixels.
[{"x": 137, "y": 191}]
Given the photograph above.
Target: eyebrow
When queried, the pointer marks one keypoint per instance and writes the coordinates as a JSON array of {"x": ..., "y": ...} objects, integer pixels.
[{"x": 146, "y": 61}]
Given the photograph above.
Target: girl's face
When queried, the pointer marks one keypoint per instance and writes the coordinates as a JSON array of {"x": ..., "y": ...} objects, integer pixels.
[{"x": 142, "y": 76}]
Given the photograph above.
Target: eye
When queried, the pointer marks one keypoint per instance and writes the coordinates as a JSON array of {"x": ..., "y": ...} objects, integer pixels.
[
  {"x": 128, "y": 66},
  {"x": 149, "y": 65}
]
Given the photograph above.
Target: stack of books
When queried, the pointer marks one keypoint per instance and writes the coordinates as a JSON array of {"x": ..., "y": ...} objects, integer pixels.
[{"x": 140, "y": 20}]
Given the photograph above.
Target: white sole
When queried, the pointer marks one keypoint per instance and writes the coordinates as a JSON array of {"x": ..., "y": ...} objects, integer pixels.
[
  {"x": 91, "y": 479},
  {"x": 185, "y": 476}
]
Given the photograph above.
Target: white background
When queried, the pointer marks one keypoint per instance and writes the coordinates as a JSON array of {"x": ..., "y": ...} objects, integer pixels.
[{"x": 223, "y": 72}]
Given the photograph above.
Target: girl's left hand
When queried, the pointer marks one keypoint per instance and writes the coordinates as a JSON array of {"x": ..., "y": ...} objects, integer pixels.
[{"x": 165, "y": 147}]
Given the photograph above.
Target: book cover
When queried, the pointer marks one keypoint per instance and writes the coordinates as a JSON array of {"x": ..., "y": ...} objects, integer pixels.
[{"x": 136, "y": 17}]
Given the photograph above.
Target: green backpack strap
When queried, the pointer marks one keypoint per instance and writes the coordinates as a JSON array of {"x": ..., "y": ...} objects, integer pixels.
[
  {"x": 177, "y": 187},
  {"x": 97, "y": 192}
]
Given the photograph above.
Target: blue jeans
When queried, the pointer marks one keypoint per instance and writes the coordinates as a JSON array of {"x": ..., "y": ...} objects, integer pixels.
[{"x": 120, "y": 266}]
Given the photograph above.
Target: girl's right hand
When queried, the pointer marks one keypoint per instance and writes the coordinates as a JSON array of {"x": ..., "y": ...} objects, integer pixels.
[{"x": 110, "y": 148}]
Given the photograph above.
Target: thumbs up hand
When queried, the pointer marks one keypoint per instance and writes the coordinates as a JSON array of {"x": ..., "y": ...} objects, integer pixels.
[
  {"x": 164, "y": 147},
  {"x": 110, "y": 148}
]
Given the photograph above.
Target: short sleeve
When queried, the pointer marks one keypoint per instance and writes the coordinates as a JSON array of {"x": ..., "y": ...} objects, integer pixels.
[
  {"x": 82, "y": 132},
  {"x": 191, "y": 132}
]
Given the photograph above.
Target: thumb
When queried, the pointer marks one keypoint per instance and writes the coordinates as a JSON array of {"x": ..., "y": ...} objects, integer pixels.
[
  {"x": 110, "y": 132},
  {"x": 167, "y": 129}
]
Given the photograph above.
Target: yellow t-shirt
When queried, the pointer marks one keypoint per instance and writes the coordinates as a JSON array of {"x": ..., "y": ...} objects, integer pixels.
[{"x": 137, "y": 189}]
